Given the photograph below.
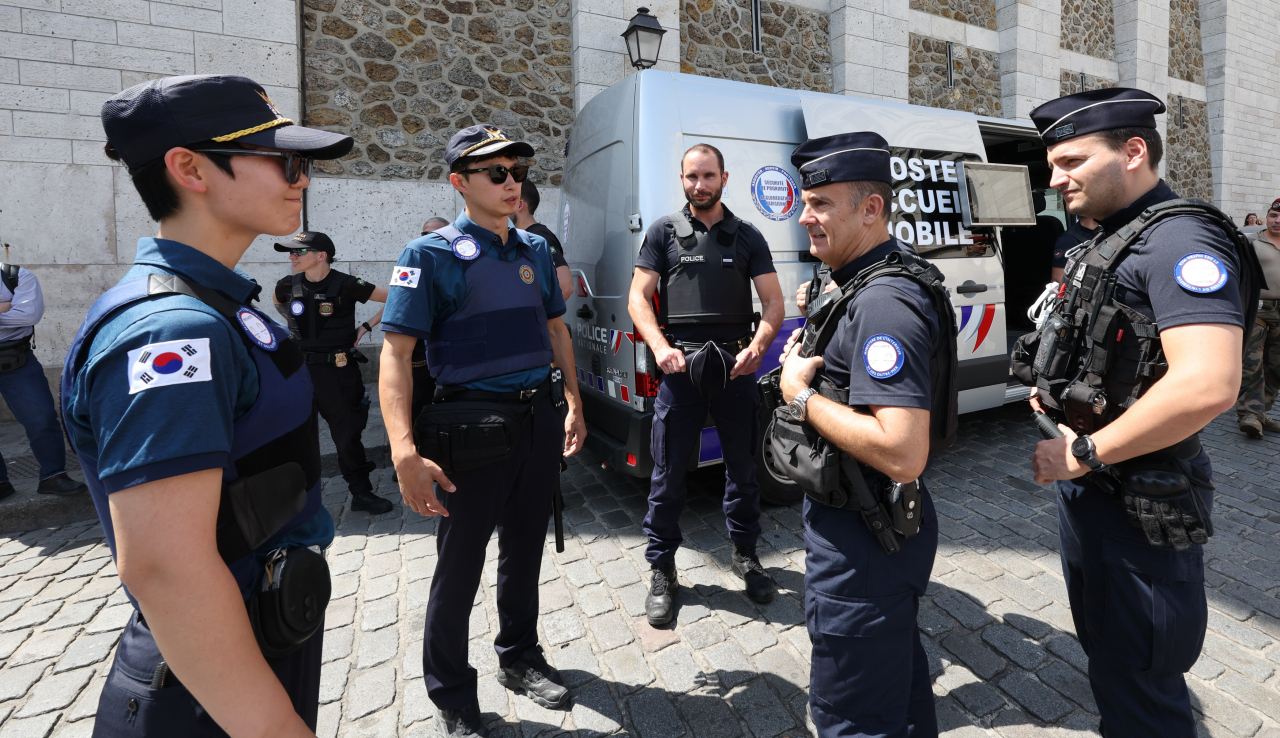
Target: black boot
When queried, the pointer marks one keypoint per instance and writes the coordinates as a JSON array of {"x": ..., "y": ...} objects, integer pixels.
[
  {"x": 6, "y": 489},
  {"x": 369, "y": 501},
  {"x": 759, "y": 586},
  {"x": 659, "y": 605},
  {"x": 534, "y": 676},
  {"x": 61, "y": 485},
  {"x": 460, "y": 723}
]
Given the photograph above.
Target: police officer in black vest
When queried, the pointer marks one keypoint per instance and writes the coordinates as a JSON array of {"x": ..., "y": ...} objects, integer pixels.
[
  {"x": 871, "y": 383},
  {"x": 320, "y": 304},
  {"x": 1082, "y": 231},
  {"x": 700, "y": 264},
  {"x": 1140, "y": 352}
]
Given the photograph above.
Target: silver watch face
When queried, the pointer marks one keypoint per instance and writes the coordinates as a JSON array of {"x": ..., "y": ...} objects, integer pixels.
[{"x": 796, "y": 410}]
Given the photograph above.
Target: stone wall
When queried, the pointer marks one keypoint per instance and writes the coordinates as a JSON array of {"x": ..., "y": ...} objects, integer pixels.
[
  {"x": 403, "y": 78},
  {"x": 1189, "y": 168},
  {"x": 980, "y": 13},
  {"x": 1071, "y": 82},
  {"x": 1088, "y": 27},
  {"x": 715, "y": 41},
  {"x": 1186, "y": 56},
  {"x": 977, "y": 77}
]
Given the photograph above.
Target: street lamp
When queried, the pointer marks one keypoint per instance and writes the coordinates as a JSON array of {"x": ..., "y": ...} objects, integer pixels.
[{"x": 644, "y": 38}]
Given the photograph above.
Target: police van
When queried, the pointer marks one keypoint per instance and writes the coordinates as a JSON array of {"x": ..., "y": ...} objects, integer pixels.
[{"x": 623, "y": 172}]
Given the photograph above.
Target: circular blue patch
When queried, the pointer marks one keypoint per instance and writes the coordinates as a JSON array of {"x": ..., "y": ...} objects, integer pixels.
[
  {"x": 257, "y": 330},
  {"x": 296, "y": 307},
  {"x": 465, "y": 247},
  {"x": 1200, "y": 273},
  {"x": 882, "y": 355},
  {"x": 775, "y": 193}
]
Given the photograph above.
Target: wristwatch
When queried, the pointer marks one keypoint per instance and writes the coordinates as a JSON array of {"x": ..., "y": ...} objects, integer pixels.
[
  {"x": 1086, "y": 453},
  {"x": 798, "y": 407}
]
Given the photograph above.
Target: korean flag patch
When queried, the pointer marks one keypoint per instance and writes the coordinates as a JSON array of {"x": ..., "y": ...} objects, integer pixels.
[
  {"x": 882, "y": 355},
  {"x": 170, "y": 362},
  {"x": 1200, "y": 273},
  {"x": 404, "y": 276}
]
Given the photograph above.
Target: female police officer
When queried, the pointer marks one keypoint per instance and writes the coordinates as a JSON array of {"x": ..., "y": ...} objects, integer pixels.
[{"x": 187, "y": 410}]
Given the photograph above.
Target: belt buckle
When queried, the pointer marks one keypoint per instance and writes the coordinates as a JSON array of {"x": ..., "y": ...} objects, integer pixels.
[{"x": 527, "y": 394}]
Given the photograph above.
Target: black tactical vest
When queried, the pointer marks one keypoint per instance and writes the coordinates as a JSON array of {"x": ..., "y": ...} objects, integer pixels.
[
  {"x": 708, "y": 283},
  {"x": 1095, "y": 356},
  {"x": 327, "y": 321}
]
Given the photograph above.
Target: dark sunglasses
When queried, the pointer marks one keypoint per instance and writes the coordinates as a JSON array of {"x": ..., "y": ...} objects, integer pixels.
[
  {"x": 301, "y": 251},
  {"x": 295, "y": 164},
  {"x": 498, "y": 173}
]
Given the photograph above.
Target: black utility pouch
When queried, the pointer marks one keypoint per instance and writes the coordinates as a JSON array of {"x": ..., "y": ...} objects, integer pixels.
[
  {"x": 770, "y": 384},
  {"x": 797, "y": 451},
  {"x": 1057, "y": 339},
  {"x": 469, "y": 434},
  {"x": 904, "y": 504},
  {"x": 13, "y": 354},
  {"x": 290, "y": 607},
  {"x": 1022, "y": 357},
  {"x": 262, "y": 504}
]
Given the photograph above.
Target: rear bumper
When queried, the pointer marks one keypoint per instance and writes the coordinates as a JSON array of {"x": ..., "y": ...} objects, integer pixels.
[{"x": 615, "y": 431}]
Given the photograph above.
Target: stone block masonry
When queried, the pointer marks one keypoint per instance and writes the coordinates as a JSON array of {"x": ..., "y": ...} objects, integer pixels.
[
  {"x": 976, "y": 75},
  {"x": 980, "y": 13},
  {"x": 1071, "y": 82},
  {"x": 795, "y": 45},
  {"x": 1189, "y": 167},
  {"x": 1088, "y": 27},
  {"x": 402, "y": 78},
  {"x": 1186, "y": 55}
]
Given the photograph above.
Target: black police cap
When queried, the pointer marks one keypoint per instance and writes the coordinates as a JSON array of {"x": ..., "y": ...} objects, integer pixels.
[
  {"x": 483, "y": 141},
  {"x": 1095, "y": 110},
  {"x": 308, "y": 239},
  {"x": 844, "y": 157},
  {"x": 147, "y": 120}
]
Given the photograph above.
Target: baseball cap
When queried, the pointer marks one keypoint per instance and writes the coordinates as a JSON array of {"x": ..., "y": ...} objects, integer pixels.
[
  {"x": 481, "y": 141},
  {"x": 147, "y": 120},
  {"x": 308, "y": 239},
  {"x": 1275, "y": 205}
]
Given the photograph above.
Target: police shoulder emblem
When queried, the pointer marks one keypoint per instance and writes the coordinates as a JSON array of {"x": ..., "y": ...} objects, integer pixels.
[
  {"x": 882, "y": 355},
  {"x": 465, "y": 247},
  {"x": 526, "y": 274},
  {"x": 1200, "y": 273},
  {"x": 297, "y": 308},
  {"x": 257, "y": 330}
]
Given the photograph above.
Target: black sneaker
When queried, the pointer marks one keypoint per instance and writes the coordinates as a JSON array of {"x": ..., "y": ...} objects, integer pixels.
[
  {"x": 369, "y": 501},
  {"x": 534, "y": 676},
  {"x": 659, "y": 605},
  {"x": 459, "y": 723},
  {"x": 6, "y": 489},
  {"x": 61, "y": 485},
  {"x": 759, "y": 586}
]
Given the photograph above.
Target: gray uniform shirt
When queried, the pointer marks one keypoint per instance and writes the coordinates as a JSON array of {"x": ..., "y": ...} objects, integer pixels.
[{"x": 26, "y": 307}]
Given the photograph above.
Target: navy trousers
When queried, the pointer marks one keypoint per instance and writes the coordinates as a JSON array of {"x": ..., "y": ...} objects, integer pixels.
[
  {"x": 344, "y": 405},
  {"x": 515, "y": 498},
  {"x": 130, "y": 707},
  {"x": 1140, "y": 611},
  {"x": 868, "y": 676},
  {"x": 26, "y": 392},
  {"x": 678, "y": 416}
]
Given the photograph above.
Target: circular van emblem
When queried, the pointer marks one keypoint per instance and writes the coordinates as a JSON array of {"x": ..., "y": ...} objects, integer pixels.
[
  {"x": 526, "y": 274},
  {"x": 297, "y": 308},
  {"x": 1200, "y": 273},
  {"x": 257, "y": 329},
  {"x": 775, "y": 193},
  {"x": 882, "y": 355},
  {"x": 465, "y": 247}
]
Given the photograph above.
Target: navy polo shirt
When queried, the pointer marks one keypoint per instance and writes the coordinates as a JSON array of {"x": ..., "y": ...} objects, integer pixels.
[
  {"x": 1074, "y": 236},
  {"x": 882, "y": 344},
  {"x": 415, "y": 307}
]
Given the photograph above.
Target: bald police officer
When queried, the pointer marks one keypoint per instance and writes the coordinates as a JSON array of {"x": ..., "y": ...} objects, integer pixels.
[{"x": 1139, "y": 353}]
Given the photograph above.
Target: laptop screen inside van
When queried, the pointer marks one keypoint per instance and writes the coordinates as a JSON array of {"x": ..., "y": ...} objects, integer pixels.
[{"x": 995, "y": 195}]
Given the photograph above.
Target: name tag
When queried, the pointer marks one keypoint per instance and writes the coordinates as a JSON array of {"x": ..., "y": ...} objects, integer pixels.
[{"x": 695, "y": 259}]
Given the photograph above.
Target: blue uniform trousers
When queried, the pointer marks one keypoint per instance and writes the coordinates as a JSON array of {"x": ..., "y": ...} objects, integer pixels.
[
  {"x": 1140, "y": 611},
  {"x": 514, "y": 497},
  {"x": 26, "y": 392},
  {"x": 868, "y": 677},
  {"x": 130, "y": 707},
  {"x": 678, "y": 416}
]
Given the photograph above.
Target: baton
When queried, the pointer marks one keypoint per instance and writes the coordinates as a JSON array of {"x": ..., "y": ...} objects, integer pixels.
[
  {"x": 557, "y": 508},
  {"x": 1047, "y": 427}
]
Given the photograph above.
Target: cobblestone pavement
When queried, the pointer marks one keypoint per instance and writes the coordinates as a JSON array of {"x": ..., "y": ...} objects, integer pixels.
[{"x": 999, "y": 634}]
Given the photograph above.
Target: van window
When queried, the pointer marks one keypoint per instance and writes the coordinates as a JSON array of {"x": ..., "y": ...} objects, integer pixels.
[{"x": 926, "y": 204}]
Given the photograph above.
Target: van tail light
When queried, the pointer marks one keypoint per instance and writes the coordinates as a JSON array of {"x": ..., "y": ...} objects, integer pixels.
[
  {"x": 631, "y": 460},
  {"x": 646, "y": 384},
  {"x": 582, "y": 287}
]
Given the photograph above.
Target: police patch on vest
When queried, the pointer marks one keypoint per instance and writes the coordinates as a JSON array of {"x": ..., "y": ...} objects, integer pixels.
[
  {"x": 326, "y": 308},
  {"x": 169, "y": 362},
  {"x": 697, "y": 259},
  {"x": 403, "y": 276},
  {"x": 526, "y": 274},
  {"x": 465, "y": 247},
  {"x": 257, "y": 330},
  {"x": 882, "y": 355},
  {"x": 297, "y": 308},
  {"x": 1200, "y": 273}
]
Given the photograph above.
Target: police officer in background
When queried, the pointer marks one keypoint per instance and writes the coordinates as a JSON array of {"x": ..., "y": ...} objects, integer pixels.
[
  {"x": 320, "y": 305},
  {"x": 1168, "y": 297},
  {"x": 484, "y": 297},
  {"x": 701, "y": 263},
  {"x": 1261, "y": 378},
  {"x": 529, "y": 201},
  {"x": 192, "y": 416},
  {"x": 1082, "y": 231},
  {"x": 433, "y": 224},
  {"x": 868, "y": 674}
]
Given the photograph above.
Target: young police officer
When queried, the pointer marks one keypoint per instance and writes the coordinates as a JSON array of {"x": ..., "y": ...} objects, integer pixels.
[
  {"x": 701, "y": 262},
  {"x": 320, "y": 305},
  {"x": 1140, "y": 353},
  {"x": 868, "y": 675},
  {"x": 187, "y": 407},
  {"x": 484, "y": 297}
]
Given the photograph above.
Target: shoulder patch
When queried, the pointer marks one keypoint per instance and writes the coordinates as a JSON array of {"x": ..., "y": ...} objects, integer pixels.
[
  {"x": 257, "y": 330},
  {"x": 169, "y": 362},
  {"x": 405, "y": 276},
  {"x": 465, "y": 247},
  {"x": 882, "y": 355},
  {"x": 361, "y": 282},
  {"x": 1200, "y": 273}
]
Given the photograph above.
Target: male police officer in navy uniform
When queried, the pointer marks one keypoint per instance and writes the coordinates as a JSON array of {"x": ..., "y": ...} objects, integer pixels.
[
  {"x": 320, "y": 305},
  {"x": 701, "y": 263},
  {"x": 868, "y": 674},
  {"x": 1163, "y": 359},
  {"x": 179, "y": 396},
  {"x": 484, "y": 297}
]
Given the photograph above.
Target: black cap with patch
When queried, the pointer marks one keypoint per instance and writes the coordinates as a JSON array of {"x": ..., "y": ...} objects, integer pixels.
[
  {"x": 1095, "y": 110},
  {"x": 483, "y": 141},
  {"x": 844, "y": 157},
  {"x": 308, "y": 239},
  {"x": 147, "y": 120}
]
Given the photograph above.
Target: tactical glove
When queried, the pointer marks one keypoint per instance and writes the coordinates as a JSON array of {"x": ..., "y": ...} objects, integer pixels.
[{"x": 1166, "y": 507}]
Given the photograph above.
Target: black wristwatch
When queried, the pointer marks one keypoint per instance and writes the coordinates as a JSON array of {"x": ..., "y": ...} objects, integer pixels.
[
  {"x": 367, "y": 327},
  {"x": 1086, "y": 453}
]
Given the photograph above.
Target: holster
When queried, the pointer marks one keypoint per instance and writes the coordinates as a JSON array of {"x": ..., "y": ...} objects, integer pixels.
[
  {"x": 253, "y": 509},
  {"x": 13, "y": 354},
  {"x": 290, "y": 606}
]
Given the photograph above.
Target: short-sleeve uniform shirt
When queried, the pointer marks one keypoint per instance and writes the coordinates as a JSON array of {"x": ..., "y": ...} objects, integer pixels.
[
  {"x": 557, "y": 250},
  {"x": 660, "y": 251},
  {"x": 1074, "y": 236},
  {"x": 428, "y": 285},
  {"x": 326, "y": 332}
]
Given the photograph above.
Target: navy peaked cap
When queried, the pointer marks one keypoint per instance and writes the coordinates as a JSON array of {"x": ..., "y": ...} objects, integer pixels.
[
  {"x": 844, "y": 157},
  {"x": 483, "y": 141},
  {"x": 1095, "y": 110}
]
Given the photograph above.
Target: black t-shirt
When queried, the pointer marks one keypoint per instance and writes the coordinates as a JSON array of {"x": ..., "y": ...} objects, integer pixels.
[
  {"x": 660, "y": 249},
  {"x": 1075, "y": 235},
  {"x": 326, "y": 321},
  {"x": 557, "y": 251}
]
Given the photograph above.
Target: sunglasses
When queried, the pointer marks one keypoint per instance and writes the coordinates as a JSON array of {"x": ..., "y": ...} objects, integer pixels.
[
  {"x": 302, "y": 251},
  {"x": 295, "y": 164},
  {"x": 498, "y": 173}
]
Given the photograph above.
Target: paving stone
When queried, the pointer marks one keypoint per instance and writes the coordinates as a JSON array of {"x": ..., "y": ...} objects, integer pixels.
[
  {"x": 963, "y": 609},
  {"x": 754, "y": 637},
  {"x": 783, "y": 611},
  {"x": 378, "y": 615},
  {"x": 30, "y": 616},
  {"x": 553, "y": 596},
  {"x": 19, "y": 679},
  {"x": 680, "y": 673},
  {"x": 371, "y": 691},
  {"x": 1070, "y": 683},
  {"x": 9, "y": 642},
  {"x": 339, "y": 613},
  {"x": 782, "y": 670},
  {"x": 55, "y": 692},
  {"x": 953, "y": 723},
  {"x": 581, "y": 573},
  {"x": 611, "y": 631},
  {"x": 43, "y": 646},
  {"x": 595, "y": 713},
  {"x": 337, "y": 644},
  {"x": 732, "y": 668},
  {"x": 619, "y": 573},
  {"x": 1242, "y": 634},
  {"x": 629, "y": 668},
  {"x": 1069, "y": 649},
  {"x": 732, "y": 608},
  {"x": 1211, "y": 700},
  {"x": 535, "y": 719},
  {"x": 1014, "y": 645},
  {"x": 562, "y": 627},
  {"x": 576, "y": 663},
  {"x": 1207, "y": 669},
  {"x": 1021, "y": 592},
  {"x": 632, "y": 599},
  {"x": 110, "y": 618},
  {"x": 478, "y": 624},
  {"x": 377, "y": 648},
  {"x": 1039, "y": 700},
  {"x": 760, "y": 708},
  {"x": 704, "y": 634},
  {"x": 1236, "y": 658},
  {"x": 653, "y": 715},
  {"x": 654, "y": 639},
  {"x": 333, "y": 681},
  {"x": 85, "y": 651},
  {"x": 379, "y": 587},
  {"x": 977, "y": 696},
  {"x": 36, "y": 727}
]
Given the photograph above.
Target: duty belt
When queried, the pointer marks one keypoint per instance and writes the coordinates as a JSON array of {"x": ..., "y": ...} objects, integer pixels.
[
  {"x": 690, "y": 347},
  {"x": 331, "y": 357},
  {"x": 452, "y": 393}
]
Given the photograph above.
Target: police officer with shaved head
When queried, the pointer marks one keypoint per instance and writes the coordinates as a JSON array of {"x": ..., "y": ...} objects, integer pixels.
[
  {"x": 1139, "y": 352},
  {"x": 870, "y": 386}
]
